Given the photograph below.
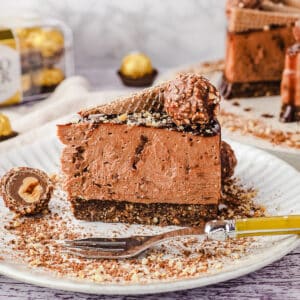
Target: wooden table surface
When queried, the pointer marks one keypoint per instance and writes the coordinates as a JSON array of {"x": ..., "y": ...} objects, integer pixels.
[{"x": 280, "y": 280}]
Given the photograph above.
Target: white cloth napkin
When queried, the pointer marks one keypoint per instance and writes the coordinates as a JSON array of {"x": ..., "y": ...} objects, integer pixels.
[{"x": 38, "y": 120}]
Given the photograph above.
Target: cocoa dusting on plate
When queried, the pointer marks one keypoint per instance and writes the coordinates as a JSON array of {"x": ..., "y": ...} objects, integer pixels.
[
  {"x": 34, "y": 242},
  {"x": 258, "y": 128},
  {"x": 248, "y": 109},
  {"x": 236, "y": 103},
  {"x": 268, "y": 116}
]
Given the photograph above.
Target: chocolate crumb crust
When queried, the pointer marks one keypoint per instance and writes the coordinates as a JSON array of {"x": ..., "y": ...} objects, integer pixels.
[
  {"x": 141, "y": 213},
  {"x": 248, "y": 89},
  {"x": 26, "y": 191},
  {"x": 154, "y": 119}
]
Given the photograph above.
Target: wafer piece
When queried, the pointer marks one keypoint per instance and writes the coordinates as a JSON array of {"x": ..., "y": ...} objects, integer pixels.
[
  {"x": 243, "y": 20},
  {"x": 150, "y": 99}
]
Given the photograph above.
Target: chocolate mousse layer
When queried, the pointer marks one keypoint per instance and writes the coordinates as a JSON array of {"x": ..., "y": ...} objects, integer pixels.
[{"x": 144, "y": 164}]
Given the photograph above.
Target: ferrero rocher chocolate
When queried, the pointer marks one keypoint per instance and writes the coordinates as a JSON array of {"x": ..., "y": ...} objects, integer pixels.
[
  {"x": 191, "y": 99},
  {"x": 47, "y": 41},
  {"x": 48, "y": 77},
  {"x": 136, "y": 70},
  {"x": 6, "y": 131},
  {"x": 26, "y": 191},
  {"x": 5, "y": 127},
  {"x": 228, "y": 160},
  {"x": 136, "y": 65}
]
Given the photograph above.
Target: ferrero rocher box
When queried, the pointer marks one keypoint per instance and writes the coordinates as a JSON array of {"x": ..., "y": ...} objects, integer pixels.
[
  {"x": 35, "y": 57},
  {"x": 10, "y": 69}
]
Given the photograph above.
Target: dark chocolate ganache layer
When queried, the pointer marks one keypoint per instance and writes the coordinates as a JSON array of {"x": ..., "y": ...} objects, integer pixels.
[{"x": 155, "y": 119}]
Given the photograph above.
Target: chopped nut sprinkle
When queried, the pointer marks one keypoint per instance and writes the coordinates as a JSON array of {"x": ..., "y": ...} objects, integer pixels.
[
  {"x": 260, "y": 129},
  {"x": 34, "y": 243}
]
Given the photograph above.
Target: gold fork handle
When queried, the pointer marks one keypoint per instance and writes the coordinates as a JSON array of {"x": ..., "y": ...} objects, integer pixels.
[
  {"x": 220, "y": 230},
  {"x": 268, "y": 226}
]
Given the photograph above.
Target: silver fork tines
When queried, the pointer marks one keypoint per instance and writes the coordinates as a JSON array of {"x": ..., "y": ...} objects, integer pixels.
[
  {"x": 97, "y": 243},
  {"x": 121, "y": 247}
]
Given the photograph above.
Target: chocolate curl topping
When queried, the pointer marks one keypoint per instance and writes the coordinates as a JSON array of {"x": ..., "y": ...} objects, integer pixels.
[{"x": 191, "y": 99}]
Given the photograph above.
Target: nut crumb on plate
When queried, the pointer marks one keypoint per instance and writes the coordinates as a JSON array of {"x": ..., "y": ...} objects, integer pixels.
[{"x": 34, "y": 243}]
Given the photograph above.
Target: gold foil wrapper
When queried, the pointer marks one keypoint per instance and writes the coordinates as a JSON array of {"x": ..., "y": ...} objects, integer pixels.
[{"x": 10, "y": 69}]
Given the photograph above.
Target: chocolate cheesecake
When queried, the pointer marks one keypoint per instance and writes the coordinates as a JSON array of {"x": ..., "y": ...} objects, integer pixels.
[
  {"x": 152, "y": 158},
  {"x": 290, "y": 85},
  {"x": 258, "y": 35}
]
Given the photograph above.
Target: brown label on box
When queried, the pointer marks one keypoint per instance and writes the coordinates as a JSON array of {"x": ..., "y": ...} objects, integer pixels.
[{"x": 10, "y": 69}]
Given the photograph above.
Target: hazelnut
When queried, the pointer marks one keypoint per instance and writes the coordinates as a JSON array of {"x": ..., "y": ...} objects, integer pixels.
[
  {"x": 122, "y": 117},
  {"x": 26, "y": 191},
  {"x": 30, "y": 190}
]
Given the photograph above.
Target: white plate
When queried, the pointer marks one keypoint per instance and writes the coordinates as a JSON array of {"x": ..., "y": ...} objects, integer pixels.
[
  {"x": 279, "y": 190},
  {"x": 259, "y": 106}
]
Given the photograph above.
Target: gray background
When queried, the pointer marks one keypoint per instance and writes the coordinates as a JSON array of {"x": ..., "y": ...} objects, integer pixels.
[{"x": 171, "y": 32}]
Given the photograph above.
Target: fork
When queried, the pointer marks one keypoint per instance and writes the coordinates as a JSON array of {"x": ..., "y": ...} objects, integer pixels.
[{"x": 126, "y": 247}]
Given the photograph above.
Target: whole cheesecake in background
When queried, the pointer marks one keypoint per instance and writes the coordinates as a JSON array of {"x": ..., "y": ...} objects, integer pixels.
[
  {"x": 258, "y": 34},
  {"x": 151, "y": 158},
  {"x": 290, "y": 84}
]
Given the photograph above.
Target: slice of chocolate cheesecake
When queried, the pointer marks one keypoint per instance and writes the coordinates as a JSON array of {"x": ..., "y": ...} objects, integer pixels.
[
  {"x": 259, "y": 32},
  {"x": 152, "y": 158}
]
